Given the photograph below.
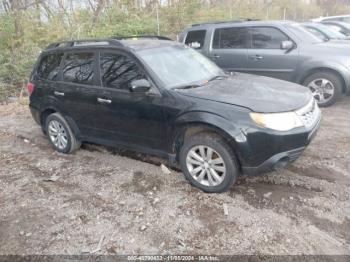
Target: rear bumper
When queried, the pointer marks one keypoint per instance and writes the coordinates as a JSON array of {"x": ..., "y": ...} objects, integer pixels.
[{"x": 35, "y": 114}]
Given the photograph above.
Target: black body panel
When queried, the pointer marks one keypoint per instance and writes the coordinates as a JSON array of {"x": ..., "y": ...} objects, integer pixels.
[{"x": 154, "y": 121}]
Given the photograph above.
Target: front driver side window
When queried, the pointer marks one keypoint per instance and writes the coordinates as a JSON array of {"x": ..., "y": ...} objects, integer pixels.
[
  {"x": 267, "y": 38},
  {"x": 117, "y": 71}
]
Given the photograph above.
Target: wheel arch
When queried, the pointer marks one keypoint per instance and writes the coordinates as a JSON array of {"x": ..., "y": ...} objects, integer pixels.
[
  {"x": 44, "y": 113},
  {"x": 324, "y": 69},
  {"x": 186, "y": 130}
]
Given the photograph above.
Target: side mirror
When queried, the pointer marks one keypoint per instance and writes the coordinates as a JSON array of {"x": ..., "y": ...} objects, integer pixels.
[
  {"x": 140, "y": 86},
  {"x": 287, "y": 45}
]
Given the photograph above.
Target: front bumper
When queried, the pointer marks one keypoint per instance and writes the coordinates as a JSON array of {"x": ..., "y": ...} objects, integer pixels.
[
  {"x": 282, "y": 159},
  {"x": 275, "y": 162}
]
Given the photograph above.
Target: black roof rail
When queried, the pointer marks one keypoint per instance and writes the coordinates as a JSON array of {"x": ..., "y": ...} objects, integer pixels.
[
  {"x": 226, "y": 21},
  {"x": 84, "y": 42},
  {"x": 158, "y": 37}
]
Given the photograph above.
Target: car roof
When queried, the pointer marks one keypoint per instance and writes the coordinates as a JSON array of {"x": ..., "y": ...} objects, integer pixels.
[
  {"x": 328, "y": 17},
  {"x": 133, "y": 43},
  {"x": 339, "y": 23},
  {"x": 313, "y": 24},
  {"x": 237, "y": 23},
  {"x": 143, "y": 44}
]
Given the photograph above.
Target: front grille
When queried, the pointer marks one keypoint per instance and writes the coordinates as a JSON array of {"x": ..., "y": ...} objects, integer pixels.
[{"x": 309, "y": 114}]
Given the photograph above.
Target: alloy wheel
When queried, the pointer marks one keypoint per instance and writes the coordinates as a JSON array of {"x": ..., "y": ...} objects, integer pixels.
[
  {"x": 206, "y": 165},
  {"x": 322, "y": 89},
  {"x": 58, "y": 134}
]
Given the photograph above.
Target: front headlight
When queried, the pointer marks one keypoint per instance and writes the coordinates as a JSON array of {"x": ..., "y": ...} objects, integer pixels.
[{"x": 277, "y": 121}]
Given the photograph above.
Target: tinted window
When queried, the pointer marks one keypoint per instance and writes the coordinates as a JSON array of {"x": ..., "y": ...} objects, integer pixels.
[
  {"x": 50, "y": 66},
  {"x": 117, "y": 71},
  {"x": 78, "y": 68},
  {"x": 195, "y": 39},
  {"x": 225, "y": 38},
  {"x": 267, "y": 38}
]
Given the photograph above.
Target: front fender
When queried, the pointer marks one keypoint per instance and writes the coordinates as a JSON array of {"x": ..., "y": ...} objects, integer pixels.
[
  {"x": 310, "y": 66},
  {"x": 214, "y": 122}
]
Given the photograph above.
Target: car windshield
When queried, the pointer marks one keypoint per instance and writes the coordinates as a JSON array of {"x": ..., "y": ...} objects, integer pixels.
[
  {"x": 329, "y": 31},
  {"x": 179, "y": 66},
  {"x": 303, "y": 33},
  {"x": 345, "y": 25}
]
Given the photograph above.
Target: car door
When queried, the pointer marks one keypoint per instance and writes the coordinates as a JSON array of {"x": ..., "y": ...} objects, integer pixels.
[
  {"x": 133, "y": 119},
  {"x": 265, "y": 56},
  {"x": 46, "y": 77},
  {"x": 78, "y": 90},
  {"x": 229, "y": 48}
]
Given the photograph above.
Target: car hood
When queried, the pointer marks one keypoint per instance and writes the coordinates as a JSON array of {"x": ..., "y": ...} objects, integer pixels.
[
  {"x": 335, "y": 44},
  {"x": 340, "y": 41},
  {"x": 257, "y": 93}
]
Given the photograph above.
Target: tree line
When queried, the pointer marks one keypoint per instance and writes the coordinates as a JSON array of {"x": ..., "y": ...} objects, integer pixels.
[{"x": 27, "y": 26}]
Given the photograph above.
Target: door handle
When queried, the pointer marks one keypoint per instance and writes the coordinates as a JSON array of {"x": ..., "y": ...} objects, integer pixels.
[
  {"x": 58, "y": 93},
  {"x": 104, "y": 101},
  {"x": 256, "y": 57},
  {"x": 215, "y": 56}
]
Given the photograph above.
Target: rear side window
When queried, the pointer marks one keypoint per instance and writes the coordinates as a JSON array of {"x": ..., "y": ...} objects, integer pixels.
[
  {"x": 78, "y": 68},
  {"x": 195, "y": 39},
  {"x": 267, "y": 38},
  {"x": 117, "y": 71},
  {"x": 230, "y": 38},
  {"x": 49, "y": 67}
]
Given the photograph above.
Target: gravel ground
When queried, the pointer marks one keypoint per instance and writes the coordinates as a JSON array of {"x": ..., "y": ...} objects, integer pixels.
[{"x": 51, "y": 203}]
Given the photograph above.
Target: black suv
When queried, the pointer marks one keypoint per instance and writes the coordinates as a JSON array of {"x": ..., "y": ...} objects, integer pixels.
[{"x": 164, "y": 98}]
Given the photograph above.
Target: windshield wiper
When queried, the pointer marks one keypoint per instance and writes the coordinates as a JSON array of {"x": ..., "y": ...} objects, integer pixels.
[
  {"x": 217, "y": 77},
  {"x": 186, "y": 87}
]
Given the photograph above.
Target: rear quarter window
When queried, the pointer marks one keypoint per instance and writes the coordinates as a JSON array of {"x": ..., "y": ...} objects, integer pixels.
[
  {"x": 195, "y": 39},
  {"x": 49, "y": 66}
]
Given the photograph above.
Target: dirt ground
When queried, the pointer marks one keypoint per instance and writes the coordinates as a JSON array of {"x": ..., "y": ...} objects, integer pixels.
[{"x": 51, "y": 203}]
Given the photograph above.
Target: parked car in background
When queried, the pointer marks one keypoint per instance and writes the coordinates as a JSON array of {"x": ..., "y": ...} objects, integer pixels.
[
  {"x": 343, "y": 28},
  {"x": 339, "y": 18},
  {"x": 279, "y": 49},
  {"x": 324, "y": 32},
  {"x": 164, "y": 98}
]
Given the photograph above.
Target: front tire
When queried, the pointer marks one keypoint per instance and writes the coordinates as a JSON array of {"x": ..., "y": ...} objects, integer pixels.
[
  {"x": 208, "y": 163},
  {"x": 326, "y": 87},
  {"x": 60, "y": 134}
]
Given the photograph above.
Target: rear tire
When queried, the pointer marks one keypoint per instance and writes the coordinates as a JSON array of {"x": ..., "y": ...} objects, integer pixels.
[
  {"x": 60, "y": 134},
  {"x": 217, "y": 155},
  {"x": 326, "y": 87}
]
